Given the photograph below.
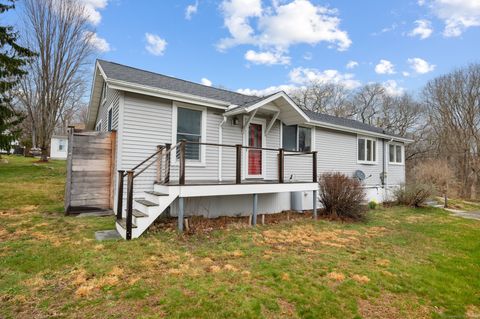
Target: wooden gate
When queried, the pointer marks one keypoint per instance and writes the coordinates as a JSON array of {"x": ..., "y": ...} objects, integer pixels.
[{"x": 90, "y": 171}]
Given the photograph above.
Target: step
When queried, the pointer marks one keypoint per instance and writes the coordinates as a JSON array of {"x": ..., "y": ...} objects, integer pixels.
[
  {"x": 123, "y": 223},
  {"x": 156, "y": 193},
  {"x": 138, "y": 214},
  {"x": 145, "y": 202}
]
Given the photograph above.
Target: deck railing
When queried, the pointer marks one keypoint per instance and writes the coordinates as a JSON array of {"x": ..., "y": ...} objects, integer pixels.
[{"x": 162, "y": 159}]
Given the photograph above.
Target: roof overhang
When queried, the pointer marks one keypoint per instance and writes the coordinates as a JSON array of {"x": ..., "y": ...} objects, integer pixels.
[
  {"x": 99, "y": 77},
  {"x": 361, "y": 132},
  {"x": 289, "y": 112}
]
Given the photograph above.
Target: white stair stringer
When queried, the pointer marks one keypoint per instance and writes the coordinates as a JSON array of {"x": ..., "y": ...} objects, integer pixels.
[{"x": 149, "y": 213}]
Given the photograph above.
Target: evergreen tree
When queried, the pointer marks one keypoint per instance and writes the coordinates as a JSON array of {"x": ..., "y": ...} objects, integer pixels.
[{"x": 13, "y": 58}]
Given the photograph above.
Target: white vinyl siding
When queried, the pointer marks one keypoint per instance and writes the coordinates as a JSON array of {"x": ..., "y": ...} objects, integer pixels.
[{"x": 111, "y": 102}]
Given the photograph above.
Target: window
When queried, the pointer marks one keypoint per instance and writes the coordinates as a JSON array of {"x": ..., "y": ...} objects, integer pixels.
[
  {"x": 289, "y": 137},
  {"x": 104, "y": 91},
  {"x": 110, "y": 115},
  {"x": 304, "y": 139},
  {"x": 296, "y": 138},
  {"x": 189, "y": 127},
  {"x": 61, "y": 145},
  {"x": 367, "y": 150},
  {"x": 395, "y": 153},
  {"x": 98, "y": 127}
]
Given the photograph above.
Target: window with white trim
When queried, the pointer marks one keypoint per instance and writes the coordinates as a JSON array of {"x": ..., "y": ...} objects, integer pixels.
[
  {"x": 104, "y": 91},
  {"x": 395, "y": 153},
  {"x": 98, "y": 127},
  {"x": 189, "y": 128},
  {"x": 109, "y": 119},
  {"x": 367, "y": 150},
  {"x": 296, "y": 138}
]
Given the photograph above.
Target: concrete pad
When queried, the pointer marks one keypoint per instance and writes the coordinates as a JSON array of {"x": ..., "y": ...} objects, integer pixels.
[
  {"x": 107, "y": 235},
  {"x": 99, "y": 213}
]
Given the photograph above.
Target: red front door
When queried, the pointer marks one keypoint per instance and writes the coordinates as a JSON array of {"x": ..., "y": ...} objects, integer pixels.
[{"x": 255, "y": 156}]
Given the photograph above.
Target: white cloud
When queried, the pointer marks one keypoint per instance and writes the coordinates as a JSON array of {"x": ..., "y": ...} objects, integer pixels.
[
  {"x": 191, "y": 10},
  {"x": 281, "y": 25},
  {"x": 406, "y": 74},
  {"x": 270, "y": 90},
  {"x": 458, "y": 15},
  {"x": 420, "y": 66},
  {"x": 92, "y": 8},
  {"x": 423, "y": 29},
  {"x": 268, "y": 58},
  {"x": 392, "y": 88},
  {"x": 155, "y": 44},
  {"x": 305, "y": 75},
  {"x": 385, "y": 67},
  {"x": 351, "y": 64},
  {"x": 100, "y": 44},
  {"x": 301, "y": 77},
  {"x": 206, "y": 82}
]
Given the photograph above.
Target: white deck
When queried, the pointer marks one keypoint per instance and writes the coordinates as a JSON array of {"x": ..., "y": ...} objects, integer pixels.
[{"x": 237, "y": 189}]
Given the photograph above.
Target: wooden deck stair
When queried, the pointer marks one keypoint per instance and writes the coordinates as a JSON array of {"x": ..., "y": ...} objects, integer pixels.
[{"x": 146, "y": 210}]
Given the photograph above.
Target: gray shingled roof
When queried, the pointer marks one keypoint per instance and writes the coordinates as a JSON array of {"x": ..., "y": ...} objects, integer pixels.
[
  {"x": 330, "y": 119},
  {"x": 133, "y": 75}
]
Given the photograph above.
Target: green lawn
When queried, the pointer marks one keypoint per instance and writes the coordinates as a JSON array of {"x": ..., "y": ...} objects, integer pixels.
[{"x": 401, "y": 263}]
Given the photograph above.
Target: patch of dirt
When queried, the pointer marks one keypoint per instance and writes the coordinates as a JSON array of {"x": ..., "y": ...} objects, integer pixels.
[
  {"x": 392, "y": 306},
  {"x": 307, "y": 236},
  {"x": 203, "y": 225}
]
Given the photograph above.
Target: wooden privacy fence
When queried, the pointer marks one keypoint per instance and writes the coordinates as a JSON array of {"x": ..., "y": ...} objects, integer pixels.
[{"x": 90, "y": 171}]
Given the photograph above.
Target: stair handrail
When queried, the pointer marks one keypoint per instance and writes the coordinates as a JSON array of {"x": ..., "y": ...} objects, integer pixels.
[{"x": 130, "y": 174}]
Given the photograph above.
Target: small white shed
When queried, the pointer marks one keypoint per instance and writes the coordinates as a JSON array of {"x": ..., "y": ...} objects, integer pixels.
[{"x": 59, "y": 147}]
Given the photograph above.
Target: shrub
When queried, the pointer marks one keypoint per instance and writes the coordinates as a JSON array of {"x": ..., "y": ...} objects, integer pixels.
[
  {"x": 372, "y": 204},
  {"x": 414, "y": 194},
  {"x": 342, "y": 196}
]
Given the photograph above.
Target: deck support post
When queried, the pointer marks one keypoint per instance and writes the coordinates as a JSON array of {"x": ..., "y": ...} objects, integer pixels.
[
  {"x": 120, "y": 194},
  {"x": 181, "y": 213},
  {"x": 129, "y": 204},
  {"x": 238, "y": 164},
  {"x": 167, "y": 163},
  {"x": 314, "y": 205},
  {"x": 181, "y": 178},
  {"x": 254, "y": 213},
  {"x": 159, "y": 163},
  {"x": 281, "y": 165}
]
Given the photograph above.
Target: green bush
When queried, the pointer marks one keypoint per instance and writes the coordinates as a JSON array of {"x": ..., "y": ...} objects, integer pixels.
[{"x": 372, "y": 204}]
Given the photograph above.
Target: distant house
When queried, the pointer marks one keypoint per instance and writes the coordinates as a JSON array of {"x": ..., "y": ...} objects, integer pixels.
[
  {"x": 206, "y": 151},
  {"x": 59, "y": 147}
]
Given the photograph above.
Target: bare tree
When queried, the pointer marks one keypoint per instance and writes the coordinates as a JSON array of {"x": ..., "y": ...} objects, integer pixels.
[
  {"x": 329, "y": 98},
  {"x": 60, "y": 32},
  {"x": 453, "y": 101},
  {"x": 368, "y": 101}
]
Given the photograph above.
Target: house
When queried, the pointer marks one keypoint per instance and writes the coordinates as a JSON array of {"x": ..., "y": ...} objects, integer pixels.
[
  {"x": 207, "y": 151},
  {"x": 59, "y": 147}
]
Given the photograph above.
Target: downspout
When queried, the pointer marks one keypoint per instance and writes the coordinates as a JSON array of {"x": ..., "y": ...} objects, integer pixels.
[{"x": 220, "y": 141}]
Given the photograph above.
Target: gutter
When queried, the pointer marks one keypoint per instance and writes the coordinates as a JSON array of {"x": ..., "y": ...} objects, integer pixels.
[{"x": 363, "y": 132}]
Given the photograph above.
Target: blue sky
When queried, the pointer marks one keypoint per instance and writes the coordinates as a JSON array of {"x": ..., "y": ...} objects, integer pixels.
[{"x": 253, "y": 45}]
